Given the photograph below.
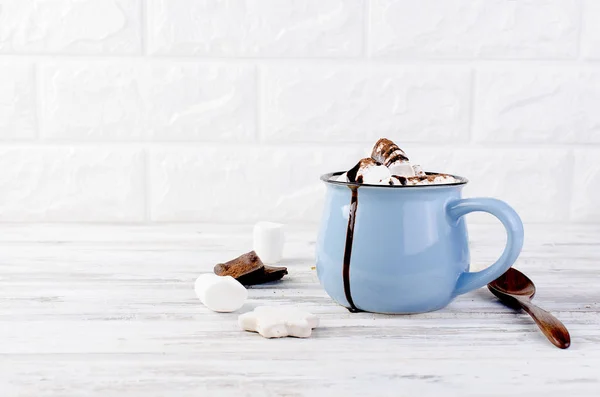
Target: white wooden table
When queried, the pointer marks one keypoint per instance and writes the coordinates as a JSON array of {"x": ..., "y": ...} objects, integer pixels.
[{"x": 110, "y": 311}]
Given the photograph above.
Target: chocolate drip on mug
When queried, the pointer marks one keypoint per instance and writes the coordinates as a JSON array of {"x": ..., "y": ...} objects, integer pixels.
[{"x": 348, "y": 248}]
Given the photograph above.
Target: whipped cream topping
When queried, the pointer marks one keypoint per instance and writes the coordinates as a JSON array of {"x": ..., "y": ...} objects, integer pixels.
[{"x": 389, "y": 165}]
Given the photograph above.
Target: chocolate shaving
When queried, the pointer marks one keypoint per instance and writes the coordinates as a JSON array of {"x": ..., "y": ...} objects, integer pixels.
[{"x": 248, "y": 269}]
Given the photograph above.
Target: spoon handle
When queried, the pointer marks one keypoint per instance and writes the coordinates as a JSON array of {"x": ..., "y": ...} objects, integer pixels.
[{"x": 554, "y": 330}]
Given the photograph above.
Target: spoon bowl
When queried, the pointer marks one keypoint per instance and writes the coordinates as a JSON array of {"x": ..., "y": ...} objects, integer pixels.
[{"x": 515, "y": 283}]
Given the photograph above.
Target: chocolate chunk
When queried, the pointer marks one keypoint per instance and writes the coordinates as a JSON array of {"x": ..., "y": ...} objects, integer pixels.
[
  {"x": 265, "y": 275},
  {"x": 248, "y": 269},
  {"x": 240, "y": 266}
]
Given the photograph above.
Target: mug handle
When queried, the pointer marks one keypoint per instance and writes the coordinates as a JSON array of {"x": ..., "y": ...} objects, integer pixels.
[{"x": 469, "y": 281}]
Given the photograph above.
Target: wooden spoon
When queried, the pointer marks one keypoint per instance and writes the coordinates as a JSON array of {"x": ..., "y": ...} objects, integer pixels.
[{"x": 515, "y": 289}]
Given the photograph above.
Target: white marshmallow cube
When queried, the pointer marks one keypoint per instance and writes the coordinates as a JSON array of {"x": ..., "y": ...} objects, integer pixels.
[
  {"x": 398, "y": 180},
  {"x": 220, "y": 293},
  {"x": 341, "y": 178},
  {"x": 268, "y": 241},
  {"x": 441, "y": 179},
  {"x": 418, "y": 170},
  {"x": 402, "y": 168},
  {"x": 375, "y": 175}
]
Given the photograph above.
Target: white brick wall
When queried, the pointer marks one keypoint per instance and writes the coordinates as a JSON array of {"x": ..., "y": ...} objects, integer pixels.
[
  {"x": 484, "y": 29},
  {"x": 228, "y": 111}
]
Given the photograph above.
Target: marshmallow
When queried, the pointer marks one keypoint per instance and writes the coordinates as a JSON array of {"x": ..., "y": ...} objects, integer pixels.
[
  {"x": 279, "y": 322},
  {"x": 418, "y": 170},
  {"x": 439, "y": 179},
  {"x": 220, "y": 294},
  {"x": 443, "y": 179},
  {"x": 341, "y": 178},
  {"x": 268, "y": 241},
  {"x": 369, "y": 172},
  {"x": 402, "y": 168},
  {"x": 387, "y": 153},
  {"x": 398, "y": 180},
  {"x": 389, "y": 165},
  {"x": 378, "y": 175}
]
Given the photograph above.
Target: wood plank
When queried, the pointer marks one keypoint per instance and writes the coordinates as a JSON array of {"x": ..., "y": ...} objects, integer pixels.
[{"x": 110, "y": 310}]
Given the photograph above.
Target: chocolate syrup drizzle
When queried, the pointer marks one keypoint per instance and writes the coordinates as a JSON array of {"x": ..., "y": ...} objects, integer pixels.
[{"x": 348, "y": 248}]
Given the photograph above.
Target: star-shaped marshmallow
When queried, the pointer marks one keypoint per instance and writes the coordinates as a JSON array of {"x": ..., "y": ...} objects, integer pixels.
[{"x": 279, "y": 321}]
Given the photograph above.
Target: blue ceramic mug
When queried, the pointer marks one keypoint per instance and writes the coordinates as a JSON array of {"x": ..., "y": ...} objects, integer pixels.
[{"x": 404, "y": 249}]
